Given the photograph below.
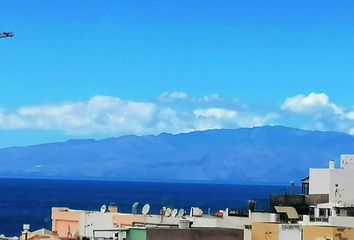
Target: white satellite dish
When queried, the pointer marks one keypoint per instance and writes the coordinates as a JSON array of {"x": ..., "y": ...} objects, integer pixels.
[
  {"x": 145, "y": 209},
  {"x": 135, "y": 208},
  {"x": 168, "y": 212},
  {"x": 181, "y": 212},
  {"x": 103, "y": 208},
  {"x": 174, "y": 213}
]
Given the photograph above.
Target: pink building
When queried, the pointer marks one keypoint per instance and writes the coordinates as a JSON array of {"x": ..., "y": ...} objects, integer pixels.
[{"x": 69, "y": 224}]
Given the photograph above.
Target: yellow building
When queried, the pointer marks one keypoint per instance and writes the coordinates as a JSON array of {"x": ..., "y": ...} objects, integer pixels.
[
  {"x": 327, "y": 232},
  {"x": 265, "y": 231},
  {"x": 278, "y": 231}
]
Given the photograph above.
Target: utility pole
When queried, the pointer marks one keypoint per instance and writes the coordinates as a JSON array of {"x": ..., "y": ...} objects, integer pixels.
[{"x": 7, "y": 35}]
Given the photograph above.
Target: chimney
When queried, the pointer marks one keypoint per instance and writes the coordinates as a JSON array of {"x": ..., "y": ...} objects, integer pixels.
[
  {"x": 332, "y": 164},
  {"x": 112, "y": 208}
]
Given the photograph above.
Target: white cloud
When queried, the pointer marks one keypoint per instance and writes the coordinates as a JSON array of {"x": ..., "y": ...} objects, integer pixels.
[
  {"x": 302, "y": 103},
  {"x": 108, "y": 115},
  {"x": 217, "y": 118},
  {"x": 217, "y": 113},
  {"x": 175, "y": 96},
  {"x": 100, "y": 114},
  {"x": 210, "y": 98},
  {"x": 172, "y": 96},
  {"x": 316, "y": 111}
]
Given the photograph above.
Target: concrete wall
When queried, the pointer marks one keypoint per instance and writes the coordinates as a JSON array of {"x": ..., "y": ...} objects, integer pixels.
[
  {"x": 126, "y": 220},
  {"x": 265, "y": 231},
  {"x": 341, "y": 221},
  {"x": 335, "y": 182},
  {"x": 319, "y": 181},
  {"x": 347, "y": 161},
  {"x": 321, "y": 233},
  {"x": 344, "y": 193},
  {"x": 224, "y": 222},
  {"x": 317, "y": 232},
  {"x": 156, "y": 219},
  {"x": 66, "y": 223},
  {"x": 95, "y": 221},
  {"x": 193, "y": 234},
  {"x": 263, "y": 217},
  {"x": 290, "y": 232}
]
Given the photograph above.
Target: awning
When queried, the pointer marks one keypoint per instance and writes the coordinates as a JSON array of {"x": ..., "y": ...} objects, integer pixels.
[{"x": 290, "y": 211}]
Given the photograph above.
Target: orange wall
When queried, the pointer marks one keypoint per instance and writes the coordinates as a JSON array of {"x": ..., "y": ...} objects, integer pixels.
[
  {"x": 65, "y": 222},
  {"x": 317, "y": 232},
  {"x": 265, "y": 231}
]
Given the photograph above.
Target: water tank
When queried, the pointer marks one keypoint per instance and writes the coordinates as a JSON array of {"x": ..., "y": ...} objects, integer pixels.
[{"x": 183, "y": 223}]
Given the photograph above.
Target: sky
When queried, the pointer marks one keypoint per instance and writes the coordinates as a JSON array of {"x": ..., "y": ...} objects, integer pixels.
[{"x": 96, "y": 69}]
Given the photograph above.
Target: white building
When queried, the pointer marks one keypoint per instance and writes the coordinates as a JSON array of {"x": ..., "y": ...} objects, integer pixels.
[{"x": 338, "y": 183}]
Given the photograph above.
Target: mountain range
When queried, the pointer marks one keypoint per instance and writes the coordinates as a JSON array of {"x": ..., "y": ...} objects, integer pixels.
[{"x": 260, "y": 155}]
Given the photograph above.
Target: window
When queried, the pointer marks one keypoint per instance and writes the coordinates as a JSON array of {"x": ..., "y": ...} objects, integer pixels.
[{"x": 322, "y": 212}]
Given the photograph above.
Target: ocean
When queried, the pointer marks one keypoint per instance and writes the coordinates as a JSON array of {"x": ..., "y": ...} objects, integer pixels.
[{"x": 30, "y": 200}]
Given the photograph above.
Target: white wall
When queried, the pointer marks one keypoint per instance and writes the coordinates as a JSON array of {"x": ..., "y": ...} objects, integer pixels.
[
  {"x": 96, "y": 220},
  {"x": 341, "y": 221},
  {"x": 344, "y": 193},
  {"x": 319, "y": 181},
  {"x": 263, "y": 217},
  {"x": 157, "y": 219},
  {"x": 324, "y": 181},
  {"x": 289, "y": 232},
  {"x": 347, "y": 161}
]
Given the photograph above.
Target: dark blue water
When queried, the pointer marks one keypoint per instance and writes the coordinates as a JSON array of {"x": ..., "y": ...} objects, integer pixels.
[{"x": 30, "y": 201}]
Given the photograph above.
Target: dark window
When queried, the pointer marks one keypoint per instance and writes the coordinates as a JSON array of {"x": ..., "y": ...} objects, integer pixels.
[{"x": 322, "y": 212}]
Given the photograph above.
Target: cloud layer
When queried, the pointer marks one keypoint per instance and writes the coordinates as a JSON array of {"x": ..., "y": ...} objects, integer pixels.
[
  {"x": 114, "y": 116},
  {"x": 175, "y": 112}
]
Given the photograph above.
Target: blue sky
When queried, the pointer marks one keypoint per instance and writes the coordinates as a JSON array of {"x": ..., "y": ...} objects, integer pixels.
[{"x": 78, "y": 69}]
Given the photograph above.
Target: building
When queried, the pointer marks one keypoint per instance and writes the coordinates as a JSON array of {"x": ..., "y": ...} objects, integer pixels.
[
  {"x": 184, "y": 234},
  {"x": 276, "y": 231},
  {"x": 324, "y": 210},
  {"x": 70, "y": 224},
  {"x": 337, "y": 184}
]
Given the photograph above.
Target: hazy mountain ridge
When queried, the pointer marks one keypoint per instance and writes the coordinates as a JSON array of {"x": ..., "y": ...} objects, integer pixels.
[{"x": 247, "y": 155}]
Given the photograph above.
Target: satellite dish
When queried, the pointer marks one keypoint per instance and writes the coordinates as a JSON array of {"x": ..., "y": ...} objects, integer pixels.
[
  {"x": 103, "y": 208},
  {"x": 168, "y": 212},
  {"x": 174, "y": 213},
  {"x": 135, "y": 208},
  {"x": 145, "y": 209},
  {"x": 181, "y": 212}
]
